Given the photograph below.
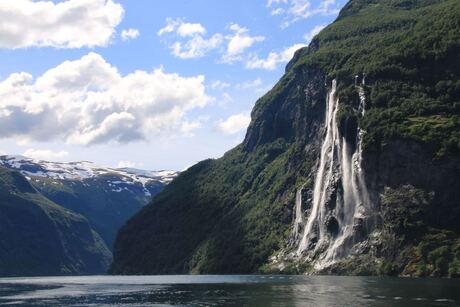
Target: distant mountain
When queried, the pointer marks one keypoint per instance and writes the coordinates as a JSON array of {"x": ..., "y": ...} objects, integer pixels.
[
  {"x": 350, "y": 165},
  {"x": 107, "y": 197},
  {"x": 39, "y": 237}
]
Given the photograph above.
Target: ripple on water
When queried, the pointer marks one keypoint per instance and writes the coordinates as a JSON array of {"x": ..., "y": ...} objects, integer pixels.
[{"x": 227, "y": 290}]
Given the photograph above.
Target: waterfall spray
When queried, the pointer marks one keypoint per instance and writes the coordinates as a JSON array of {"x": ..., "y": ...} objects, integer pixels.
[{"x": 340, "y": 196}]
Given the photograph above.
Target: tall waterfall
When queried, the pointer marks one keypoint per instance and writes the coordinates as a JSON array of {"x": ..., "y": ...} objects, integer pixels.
[{"x": 340, "y": 197}]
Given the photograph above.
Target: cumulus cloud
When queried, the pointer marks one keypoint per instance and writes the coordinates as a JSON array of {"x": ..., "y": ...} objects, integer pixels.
[
  {"x": 45, "y": 154},
  {"x": 129, "y": 34},
  {"x": 238, "y": 42},
  {"x": 273, "y": 59},
  {"x": 181, "y": 27},
  {"x": 192, "y": 44},
  {"x": 66, "y": 24},
  {"x": 190, "y": 29},
  {"x": 295, "y": 10},
  {"x": 189, "y": 40},
  {"x": 87, "y": 101},
  {"x": 196, "y": 47},
  {"x": 234, "y": 123}
]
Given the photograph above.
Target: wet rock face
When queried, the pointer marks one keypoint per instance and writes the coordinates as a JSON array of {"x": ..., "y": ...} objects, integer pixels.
[
  {"x": 295, "y": 115},
  {"x": 349, "y": 128},
  {"x": 402, "y": 162},
  {"x": 361, "y": 229},
  {"x": 306, "y": 200},
  {"x": 332, "y": 226}
]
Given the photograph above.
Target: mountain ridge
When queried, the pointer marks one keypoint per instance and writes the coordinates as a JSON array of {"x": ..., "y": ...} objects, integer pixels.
[{"x": 106, "y": 196}]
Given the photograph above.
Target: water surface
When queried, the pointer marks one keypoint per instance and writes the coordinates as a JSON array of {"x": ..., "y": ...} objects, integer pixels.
[{"x": 228, "y": 290}]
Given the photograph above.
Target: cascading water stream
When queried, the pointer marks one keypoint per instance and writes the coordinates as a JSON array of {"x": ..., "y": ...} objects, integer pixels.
[
  {"x": 299, "y": 218},
  {"x": 324, "y": 173},
  {"x": 340, "y": 196}
]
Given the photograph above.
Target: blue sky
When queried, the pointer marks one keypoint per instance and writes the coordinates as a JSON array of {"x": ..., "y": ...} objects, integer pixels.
[{"x": 147, "y": 84}]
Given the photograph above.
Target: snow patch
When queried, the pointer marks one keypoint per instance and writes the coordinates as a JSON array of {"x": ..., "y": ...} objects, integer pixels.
[{"x": 83, "y": 170}]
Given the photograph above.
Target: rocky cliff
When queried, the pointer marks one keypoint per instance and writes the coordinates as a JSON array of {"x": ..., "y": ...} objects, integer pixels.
[{"x": 350, "y": 164}]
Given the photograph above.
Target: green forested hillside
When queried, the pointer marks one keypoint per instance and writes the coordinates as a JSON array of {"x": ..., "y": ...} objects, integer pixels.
[
  {"x": 106, "y": 197},
  {"x": 232, "y": 214},
  {"x": 106, "y": 210},
  {"x": 38, "y": 237}
]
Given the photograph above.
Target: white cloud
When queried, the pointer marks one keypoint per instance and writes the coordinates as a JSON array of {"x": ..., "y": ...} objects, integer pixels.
[
  {"x": 269, "y": 63},
  {"x": 66, "y": 24},
  {"x": 45, "y": 154},
  {"x": 273, "y": 59},
  {"x": 234, "y": 123},
  {"x": 219, "y": 85},
  {"x": 129, "y": 34},
  {"x": 271, "y": 2},
  {"x": 87, "y": 101},
  {"x": 188, "y": 40},
  {"x": 295, "y": 10},
  {"x": 171, "y": 26},
  {"x": 181, "y": 28},
  {"x": 126, "y": 164},
  {"x": 250, "y": 84},
  {"x": 238, "y": 42},
  {"x": 194, "y": 45},
  {"x": 309, "y": 36},
  {"x": 188, "y": 127},
  {"x": 190, "y": 29}
]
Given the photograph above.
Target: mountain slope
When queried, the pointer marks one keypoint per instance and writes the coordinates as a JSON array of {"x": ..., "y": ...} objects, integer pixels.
[
  {"x": 107, "y": 197},
  {"x": 38, "y": 237},
  {"x": 389, "y": 70}
]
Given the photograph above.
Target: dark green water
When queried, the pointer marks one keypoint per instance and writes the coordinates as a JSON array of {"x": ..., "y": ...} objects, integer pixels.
[{"x": 228, "y": 290}]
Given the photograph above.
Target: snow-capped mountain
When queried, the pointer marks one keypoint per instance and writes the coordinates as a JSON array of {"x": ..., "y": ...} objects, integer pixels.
[
  {"x": 83, "y": 170},
  {"x": 79, "y": 170},
  {"x": 106, "y": 196}
]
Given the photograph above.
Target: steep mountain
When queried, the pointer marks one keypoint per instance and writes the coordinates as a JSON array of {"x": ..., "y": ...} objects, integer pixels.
[
  {"x": 38, "y": 237},
  {"x": 351, "y": 163},
  {"x": 107, "y": 197}
]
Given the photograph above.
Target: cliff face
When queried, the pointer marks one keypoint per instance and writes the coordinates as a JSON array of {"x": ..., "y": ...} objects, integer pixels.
[{"x": 350, "y": 164}]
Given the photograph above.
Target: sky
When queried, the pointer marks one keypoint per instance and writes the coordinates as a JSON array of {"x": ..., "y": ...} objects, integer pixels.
[{"x": 145, "y": 84}]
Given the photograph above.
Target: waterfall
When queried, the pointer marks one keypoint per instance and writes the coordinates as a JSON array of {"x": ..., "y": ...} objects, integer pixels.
[
  {"x": 340, "y": 196},
  {"x": 299, "y": 218}
]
